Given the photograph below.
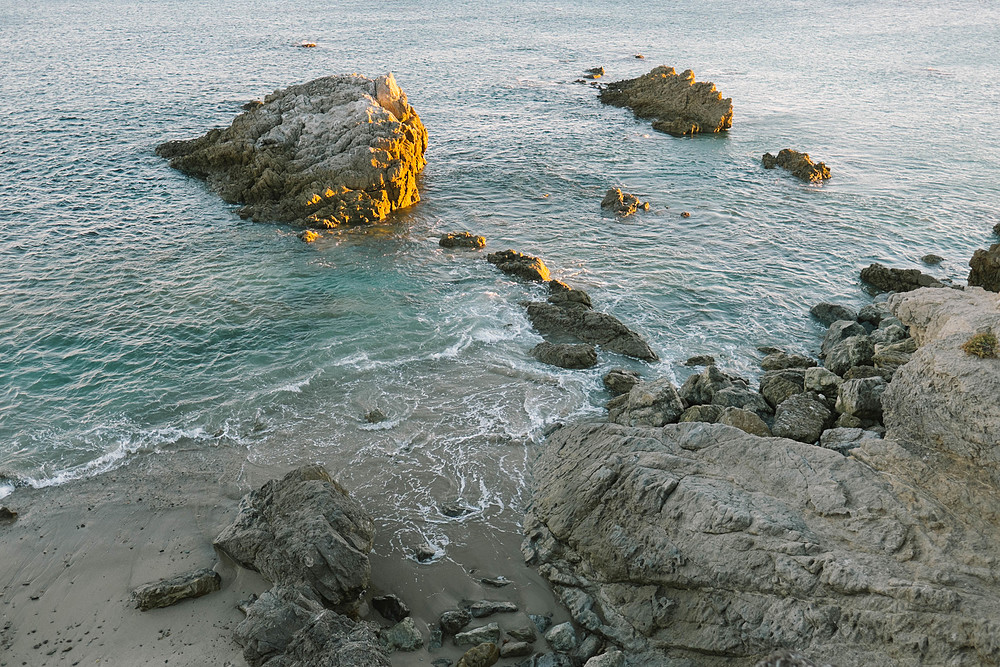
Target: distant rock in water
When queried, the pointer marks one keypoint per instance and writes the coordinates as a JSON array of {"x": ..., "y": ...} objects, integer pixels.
[
  {"x": 677, "y": 103},
  {"x": 985, "y": 271},
  {"x": 799, "y": 164},
  {"x": 566, "y": 355},
  {"x": 520, "y": 265},
  {"x": 932, "y": 259},
  {"x": 622, "y": 203},
  {"x": 339, "y": 150},
  {"x": 462, "y": 240},
  {"x": 887, "y": 279}
]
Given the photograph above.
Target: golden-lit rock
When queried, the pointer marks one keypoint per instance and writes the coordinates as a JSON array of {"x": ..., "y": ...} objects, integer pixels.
[
  {"x": 677, "y": 103},
  {"x": 339, "y": 150},
  {"x": 309, "y": 236},
  {"x": 799, "y": 164},
  {"x": 622, "y": 203},
  {"x": 520, "y": 265}
]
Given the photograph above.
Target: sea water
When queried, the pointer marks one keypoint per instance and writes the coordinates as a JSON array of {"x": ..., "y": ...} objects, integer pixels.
[{"x": 139, "y": 314}]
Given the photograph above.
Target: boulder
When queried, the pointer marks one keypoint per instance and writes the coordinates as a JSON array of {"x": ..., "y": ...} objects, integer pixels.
[
  {"x": 390, "y": 607},
  {"x": 339, "y": 150},
  {"x": 566, "y": 355},
  {"x": 891, "y": 357},
  {"x": 622, "y": 203},
  {"x": 703, "y": 413},
  {"x": 463, "y": 240},
  {"x": 620, "y": 381},
  {"x": 304, "y": 530},
  {"x": 485, "y": 634},
  {"x": 516, "y": 649},
  {"x": 777, "y": 361},
  {"x": 375, "y": 416},
  {"x": 886, "y": 279},
  {"x": 887, "y": 334},
  {"x": 520, "y": 265},
  {"x": 700, "y": 388},
  {"x": 404, "y": 636},
  {"x": 854, "y": 351},
  {"x": 484, "y": 608},
  {"x": 801, "y": 417},
  {"x": 828, "y": 313},
  {"x": 821, "y": 381},
  {"x": 739, "y": 396},
  {"x": 873, "y": 313},
  {"x": 985, "y": 266},
  {"x": 170, "y": 591},
  {"x": 798, "y": 164},
  {"x": 861, "y": 372},
  {"x": 562, "y": 637},
  {"x": 932, "y": 259},
  {"x": 525, "y": 633},
  {"x": 862, "y": 398},
  {"x": 483, "y": 655},
  {"x": 744, "y": 420},
  {"x": 838, "y": 332},
  {"x": 777, "y": 386},
  {"x": 562, "y": 294},
  {"x": 700, "y": 360},
  {"x": 676, "y": 103},
  {"x": 647, "y": 404},
  {"x": 576, "y": 320},
  {"x": 453, "y": 620}
]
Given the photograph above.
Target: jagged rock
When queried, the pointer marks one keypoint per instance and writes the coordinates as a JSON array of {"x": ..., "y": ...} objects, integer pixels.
[
  {"x": 678, "y": 105},
  {"x": 848, "y": 421},
  {"x": 442, "y": 662},
  {"x": 304, "y": 529},
  {"x": 484, "y": 655},
  {"x": 462, "y": 240},
  {"x": 801, "y": 417},
  {"x": 286, "y": 627},
  {"x": 524, "y": 633},
  {"x": 861, "y": 372},
  {"x": 453, "y": 620},
  {"x": 516, "y": 650},
  {"x": 889, "y": 334},
  {"x": 699, "y": 389},
  {"x": 828, "y": 313},
  {"x": 862, "y": 398},
  {"x": 483, "y": 608},
  {"x": 486, "y": 634},
  {"x": 744, "y": 420},
  {"x": 566, "y": 355},
  {"x": 647, "y": 404},
  {"x": 702, "y": 413},
  {"x": 838, "y": 332},
  {"x": 562, "y": 294},
  {"x": 595, "y": 72},
  {"x": 404, "y": 636},
  {"x": 541, "y": 622},
  {"x": 700, "y": 360},
  {"x": 496, "y": 582},
  {"x": 777, "y": 386},
  {"x": 562, "y": 637},
  {"x": 520, "y": 265},
  {"x": 622, "y": 204},
  {"x": 425, "y": 553},
  {"x": 337, "y": 150},
  {"x": 891, "y": 357},
  {"x": 886, "y": 279},
  {"x": 798, "y": 164},
  {"x": 435, "y": 640},
  {"x": 873, "y": 313},
  {"x": 822, "y": 381},
  {"x": 588, "y": 648},
  {"x": 738, "y": 396},
  {"x": 375, "y": 416},
  {"x": 576, "y": 320},
  {"x": 309, "y": 235},
  {"x": 390, "y": 607},
  {"x": 932, "y": 259},
  {"x": 777, "y": 361},
  {"x": 985, "y": 266},
  {"x": 171, "y": 591},
  {"x": 620, "y": 381},
  {"x": 851, "y": 352}
]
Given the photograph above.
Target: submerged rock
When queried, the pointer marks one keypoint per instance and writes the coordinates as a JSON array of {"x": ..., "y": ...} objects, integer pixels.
[
  {"x": 171, "y": 591},
  {"x": 887, "y": 279},
  {"x": 462, "y": 240},
  {"x": 518, "y": 264},
  {"x": 339, "y": 150},
  {"x": 985, "y": 271},
  {"x": 566, "y": 355},
  {"x": 798, "y": 164},
  {"x": 566, "y": 318},
  {"x": 677, "y": 104},
  {"x": 622, "y": 203}
]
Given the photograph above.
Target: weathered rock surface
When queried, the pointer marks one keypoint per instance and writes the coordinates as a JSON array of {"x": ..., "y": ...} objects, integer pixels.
[
  {"x": 171, "y": 591},
  {"x": 390, "y": 607},
  {"x": 486, "y": 634},
  {"x": 453, "y": 620},
  {"x": 822, "y": 381},
  {"x": 462, "y": 240},
  {"x": 700, "y": 388},
  {"x": 985, "y": 266},
  {"x": 744, "y": 420},
  {"x": 566, "y": 355},
  {"x": 678, "y": 105},
  {"x": 334, "y": 151},
  {"x": 484, "y": 608},
  {"x": 518, "y": 264},
  {"x": 647, "y": 404},
  {"x": 798, "y": 164},
  {"x": 838, "y": 332},
  {"x": 844, "y": 439},
  {"x": 848, "y": 353},
  {"x": 304, "y": 530},
  {"x": 739, "y": 396},
  {"x": 702, "y": 413},
  {"x": 887, "y": 279},
  {"x": 562, "y": 637},
  {"x": 404, "y": 636},
  {"x": 801, "y": 417},
  {"x": 621, "y": 203},
  {"x": 483, "y": 655},
  {"x": 620, "y": 381},
  {"x": 572, "y": 319},
  {"x": 828, "y": 313},
  {"x": 777, "y": 386},
  {"x": 777, "y": 361}
]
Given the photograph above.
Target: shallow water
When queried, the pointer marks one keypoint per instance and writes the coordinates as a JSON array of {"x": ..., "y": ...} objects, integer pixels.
[{"x": 138, "y": 313}]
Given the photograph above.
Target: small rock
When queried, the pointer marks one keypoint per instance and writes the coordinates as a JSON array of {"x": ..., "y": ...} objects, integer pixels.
[
  {"x": 589, "y": 647},
  {"x": 654, "y": 404},
  {"x": 496, "y": 582},
  {"x": 848, "y": 421},
  {"x": 897, "y": 280},
  {"x": 566, "y": 355},
  {"x": 454, "y": 509},
  {"x": 7, "y": 515},
  {"x": 854, "y": 351},
  {"x": 685, "y": 214},
  {"x": 453, "y": 620},
  {"x": 746, "y": 421},
  {"x": 375, "y": 416},
  {"x": 887, "y": 334},
  {"x": 484, "y": 608},
  {"x": 516, "y": 650},
  {"x": 932, "y": 260},
  {"x": 621, "y": 203},
  {"x": 487, "y": 633},
  {"x": 891, "y": 357},
  {"x": 620, "y": 381},
  {"x": 639, "y": 56},
  {"x": 520, "y": 265},
  {"x": 550, "y": 660},
  {"x": 861, "y": 372},
  {"x": 777, "y": 386},
  {"x": 838, "y": 332},
  {"x": 391, "y": 607},
  {"x": 483, "y": 655},
  {"x": 562, "y": 637},
  {"x": 442, "y": 662},
  {"x": 828, "y": 313},
  {"x": 171, "y": 591},
  {"x": 699, "y": 389},
  {"x": 700, "y": 360},
  {"x": 436, "y": 640},
  {"x": 785, "y": 658},
  {"x": 996, "y": 229},
  {"x": 525, "y": 633},
  {"x": 599, "y": 71},
  {"x": 462, "y": 240},
  {"x": 843, "y": 439},
  {"x": 425, "y": 553},
  {"x": 404, "y": 636},
  {"x": 862, "y": 398},
  {"x": 799, "y": 164},
  {"x": 739, "y": 396},
  {"x": 309, "y": 235},
  {"x": 873, "y": 313}
]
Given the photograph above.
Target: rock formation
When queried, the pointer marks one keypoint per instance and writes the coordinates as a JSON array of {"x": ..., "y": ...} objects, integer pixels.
[
  {"x": 699, "y": 542},
  {"x": 887, "y": 279},
  {"x": 566, "y": 355},
  {"x": 520, "y": 265},
  {"x": 171, "y": 591},
  {"x": 798, "y": 164},
  {"x": 985, "y": 271},
  {"x": 462, "y": 240},
  {"x": 622, "y": 204},
  {"x": 338, "y": 150},
  {"x": 677, "y": 104}
]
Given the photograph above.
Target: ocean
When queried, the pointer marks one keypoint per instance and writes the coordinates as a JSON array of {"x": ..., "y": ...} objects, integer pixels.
[{"x": 139, "y": 315}]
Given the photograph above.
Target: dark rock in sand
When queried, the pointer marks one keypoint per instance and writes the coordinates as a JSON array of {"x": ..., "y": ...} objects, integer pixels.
[
  {"x": 838, "y": 332},
  {"x": 520, "y": 265},
  {"x": 620, "y": 381},
  {"x": 304, "y": 529},
  {"x": 777, "y": 386},
  {"x": 496, "y": 582},
  {"x": 424, "y": 553},
  {"x": 798, "y": 164},
  {"x": 678, "y": 105},
  {"x": 462, "y": 240},
  {"x": 7, "y": 515},
  {"x": 777, "y": 361},
  {"x": 862, "y": 398},
  {"x": 647, "y": 404},
  {"x": 700, "y": 388},
  {"x": 985, "y": 271},
  {"x": 485, "y": 634},
  {"x": 576, "y": 320},
  {"x": 516, "y": 650},
  {"x": 435, "y": 640},
  {"x": 171, "y": 591},
  {"x": 801, "y": 417},
  {"x": 700, "y": 360},
  {"x": 622, "y": 203},
  {"x": 702, "y": 413},
  {"x": 566, "y": 355},
  {"x": 887, "y": 279},
  {"x": 541, "y": 622},
  {"x": 828, "y": 313},
  {"x": 391, "y": 607},
  {"x": 932, "y": 259},
  {"x": 484, "y": 608},
  {"x": 453, "y": 620},
  {"x": 854, "y": 351},
  {"x": 404, "y": 636},
  {"x": 525, "y": 633},
  {"x": 375, "y": 416},
  {"x": 483, "y": 655}
]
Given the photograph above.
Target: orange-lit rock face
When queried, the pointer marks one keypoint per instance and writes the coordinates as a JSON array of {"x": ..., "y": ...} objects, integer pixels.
[
  {"x": 677, "y": 103},
  {"x": 340, "y": 150}
]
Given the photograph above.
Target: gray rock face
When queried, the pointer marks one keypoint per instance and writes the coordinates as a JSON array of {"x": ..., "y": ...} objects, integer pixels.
[
  {"x": 801, "y": 417},
  {"x": 304, "y": 530},
  {"x": 462, "y": 240},
  {"x": 798, "y": 164},
  {"x": 622, "y": 203},
  {"x": 678, "y": 105},
  {"x": 579, "y": 321},
  {"x": 889, "y": 334},
  {"x": 699, "y": 389},
  {"x": 483, "y": 608},
  {"x": 828, "y": 313},
  {"x": 738, "y": 396},
  {"x": 390, "y": 607},
  {"x": 873, "y": 313},
  {"x": 891, "y": 357},
  {"x": 566, "y": 355},
  {"x": 862, "y": 398},
  {"x": 520, "y": 265},
  {"x": 337, "y": 150},
  {"x": 786, "y": 658},
  {"x": 703, "y": 413},
  {"x": 838, "y": 332},
  {"x": 486, "y": 634},
  {"x": 404, "y": 636},
  {"x": 452, "y": 621},
  {"x": 822, "y": 381},
  {"x": 744, "y": 420},
  {"x": 562, "y": 637},
  {"x": 171, "y": 591},
  {"x": 855, "y": 351},
  {"x": 777, "y": 386},
  {"x": 620, "y": 381},
  {"x": 886, "y": 279},
  {"x": 612, "y": 658},
  {"x": 647, "y": 404},
  {"x": 985, "y": 271},
  {"x": 844, "y": 439},
  {"x": 777, "y": 361}
]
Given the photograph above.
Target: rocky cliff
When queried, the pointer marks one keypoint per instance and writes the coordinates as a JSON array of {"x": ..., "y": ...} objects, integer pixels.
[
  {"x": 699, "y": 544},
  {"x": 337, "y": 150}
]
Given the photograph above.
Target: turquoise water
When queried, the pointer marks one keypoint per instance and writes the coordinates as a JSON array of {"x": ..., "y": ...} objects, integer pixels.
[{"x": 138, "y": 313}]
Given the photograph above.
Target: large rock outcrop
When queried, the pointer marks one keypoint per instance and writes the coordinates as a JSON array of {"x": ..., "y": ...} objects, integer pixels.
[
  {"x": 338, "y": 150},
  {"x": 701, "y": 543},
  {"x": 985, "y": 265},
  {"x": 677, "y": 103}
]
